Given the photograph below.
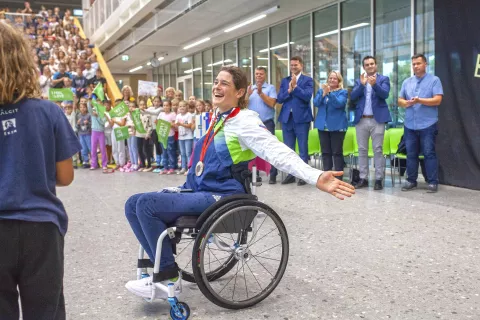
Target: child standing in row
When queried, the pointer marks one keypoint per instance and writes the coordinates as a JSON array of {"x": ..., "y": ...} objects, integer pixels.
[
  {"x": 118, "y": 147},
  {"x": 84, "y": 127},
  {"x": 154, "y": 111},
  {"x": 108, "y": 133},
  {"x": 98, "y": 137},
  {"x": 72, "y": 119},
  {"x": 169, "y": 153},
  {"x": 132, "y": 164},
  {"x": 185, "y": 126},
  {"x": 199, "y": 129},
  {"x": 144, "y": 140}
]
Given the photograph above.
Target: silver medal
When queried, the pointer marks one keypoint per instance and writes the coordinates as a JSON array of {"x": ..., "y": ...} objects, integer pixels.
[{"x": 199, "y": 168}]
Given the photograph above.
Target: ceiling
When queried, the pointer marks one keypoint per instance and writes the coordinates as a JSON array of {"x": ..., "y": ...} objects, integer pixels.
[{"x": 213, "y": 16}]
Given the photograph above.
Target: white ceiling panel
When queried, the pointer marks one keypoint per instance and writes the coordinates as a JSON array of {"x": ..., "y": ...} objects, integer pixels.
[{"x": 208, "y": 18}]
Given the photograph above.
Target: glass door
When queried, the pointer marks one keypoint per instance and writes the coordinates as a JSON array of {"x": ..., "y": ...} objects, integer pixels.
[{"x": 185, "y": 84}]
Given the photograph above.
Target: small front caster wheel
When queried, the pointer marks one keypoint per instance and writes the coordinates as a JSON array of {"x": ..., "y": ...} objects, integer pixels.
[{"x": 181, "y": 312}]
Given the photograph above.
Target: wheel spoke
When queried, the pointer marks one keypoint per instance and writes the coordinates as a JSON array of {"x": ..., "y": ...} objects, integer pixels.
[
  {"x": 262, "y": 265},
  {"x": 265, "y": 258},
  {"x": 255, "y": 234},
  {"x": 228, "y": 282},
  {"x": 235, "y": 283},
  {"x": 245, "y": 278},
  {"x": 184, "y": 248},
  {"x": 269, "y": 249},
  {"x": 254, "y": 276},
  {"x": 189, "y": 261},
  {"x": 250, "y": 245}
]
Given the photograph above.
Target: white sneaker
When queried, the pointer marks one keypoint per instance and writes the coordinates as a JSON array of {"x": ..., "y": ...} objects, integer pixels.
[
  {"x": 182, "y": 171},
  {"x": 143, "y": 288}
]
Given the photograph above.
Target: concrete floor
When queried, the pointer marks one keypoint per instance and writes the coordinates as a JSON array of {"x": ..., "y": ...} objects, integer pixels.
[{"x": 379, "y": 255}]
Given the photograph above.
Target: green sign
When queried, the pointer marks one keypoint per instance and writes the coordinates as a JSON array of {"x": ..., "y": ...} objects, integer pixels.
[
  {"x": 119, "y": 111},
  {"x": 98, "y": 91},
  {"x": 137, "y": 121},
  {"x": 121, "y": 133},
  {"x": 99, "y": 108},
  {"x": 163, "y": 129},
  {"x": 63, "y": 94}
]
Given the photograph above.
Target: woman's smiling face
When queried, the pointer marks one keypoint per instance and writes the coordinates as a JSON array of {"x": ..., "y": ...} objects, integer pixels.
[{"x": 224, "y": 93}]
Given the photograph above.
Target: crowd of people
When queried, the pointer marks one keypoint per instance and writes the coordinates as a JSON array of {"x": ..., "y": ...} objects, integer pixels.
[
  {"x": 421, "y": 95},
  {"x": 65, "y": 60},
  {"x": 145, "y": 152}
]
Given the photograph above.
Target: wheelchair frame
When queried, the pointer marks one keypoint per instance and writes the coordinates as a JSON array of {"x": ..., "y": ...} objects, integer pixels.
[{"x": 176, "y": 306}]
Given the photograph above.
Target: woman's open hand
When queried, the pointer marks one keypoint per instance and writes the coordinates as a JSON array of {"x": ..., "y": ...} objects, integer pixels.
[{"x": 328, "y": 182}]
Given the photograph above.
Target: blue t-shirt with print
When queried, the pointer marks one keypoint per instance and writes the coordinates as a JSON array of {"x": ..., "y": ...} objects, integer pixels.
[{"x": 34, "y": 136}]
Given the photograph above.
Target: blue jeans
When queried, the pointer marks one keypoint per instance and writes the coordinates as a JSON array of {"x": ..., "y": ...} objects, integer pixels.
[
  {"x": 150, "y": 213},
  {"x": 133, "y": 150},
  {"x": 421, "y": 142},
  {"x": 169, "y": 154},
  {"x": 86, "y": 142},
  {"x": 185, "y": 151}
]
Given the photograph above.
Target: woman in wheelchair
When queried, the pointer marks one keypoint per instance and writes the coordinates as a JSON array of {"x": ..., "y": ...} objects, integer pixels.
[{"x": 234, "y": 138}]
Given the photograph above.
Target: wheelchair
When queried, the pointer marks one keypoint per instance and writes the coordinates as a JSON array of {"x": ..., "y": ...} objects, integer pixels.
[{"x": 236, "y": 252}]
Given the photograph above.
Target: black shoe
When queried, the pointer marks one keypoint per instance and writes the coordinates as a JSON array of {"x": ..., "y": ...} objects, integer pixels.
[
  {"x": 259, "y": 179},
  {"x": 301, "y": 182},
  {"x": 86, "y": 166},
  {"x": 432, "y": 188},
  {"x": 75, "y": 167},
  {"x": 289, "y": 179},
  {"x": 378, "y": 185},
  {"x": 273, "y": 180},
  {"x": 409, "y": 186},
  {"x": 363, "y": 183}
]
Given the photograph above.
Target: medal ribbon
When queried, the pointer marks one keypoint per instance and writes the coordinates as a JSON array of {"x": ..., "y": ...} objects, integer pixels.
[{"x": 208, "y": 139}]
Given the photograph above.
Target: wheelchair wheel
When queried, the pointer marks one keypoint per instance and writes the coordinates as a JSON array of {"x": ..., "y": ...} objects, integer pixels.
[
  {"x": 257, "y": 259},
  {"x": 184, "y": 250}
]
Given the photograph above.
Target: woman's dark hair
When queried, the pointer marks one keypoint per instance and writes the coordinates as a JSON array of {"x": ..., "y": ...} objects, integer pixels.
[{"x": 240, "y": 81}]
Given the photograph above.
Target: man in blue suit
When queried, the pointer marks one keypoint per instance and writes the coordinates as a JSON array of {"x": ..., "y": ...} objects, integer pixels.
[
  {"x": 295, "y": 93},
  {"x": 370, "y": 94}
]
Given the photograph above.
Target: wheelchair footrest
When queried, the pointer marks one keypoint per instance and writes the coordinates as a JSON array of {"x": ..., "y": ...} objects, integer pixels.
[
  {"x": 144, "y": 263},
  {"x": 166, "y": 274}
]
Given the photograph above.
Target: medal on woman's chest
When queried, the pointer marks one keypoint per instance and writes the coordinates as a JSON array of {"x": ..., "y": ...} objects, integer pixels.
[{"x": 200, "y": 166}]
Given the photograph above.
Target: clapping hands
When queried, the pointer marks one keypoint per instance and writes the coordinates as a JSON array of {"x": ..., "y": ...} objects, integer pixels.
[
  {"x": 326, "y": 89},
  {"x": 293, "y": 83}
]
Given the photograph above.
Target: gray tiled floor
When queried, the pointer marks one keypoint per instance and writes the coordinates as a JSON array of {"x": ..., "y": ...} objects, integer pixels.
[{"x": 379, "y": 255}]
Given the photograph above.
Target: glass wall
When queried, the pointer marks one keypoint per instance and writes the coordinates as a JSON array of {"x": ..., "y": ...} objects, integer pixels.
[
  {"x": 325, "y": 42},
  {"x": 173, "y": 74},
  {"x": 217, "y": 60},
  {"x": 260, "y": 49},
  {"x": 160, "y": 78},
  {"x": 184, "y": 66},
  {"x": 197, "y": 75},
  {"x": 392, "y": 45},
  {"x": 207, "y": 74},
  {"x": 425, "y": 32},
  {"x": 167, "y": 77},
  {"x": 279, "y": 54},
  {"x": 230, "y": 54},
  {"x": 356, "y": 41},
  {"x": 300, "y": 41},
  {"x": 245, "y": 56},
  {"x": 393, "y": 48}
]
